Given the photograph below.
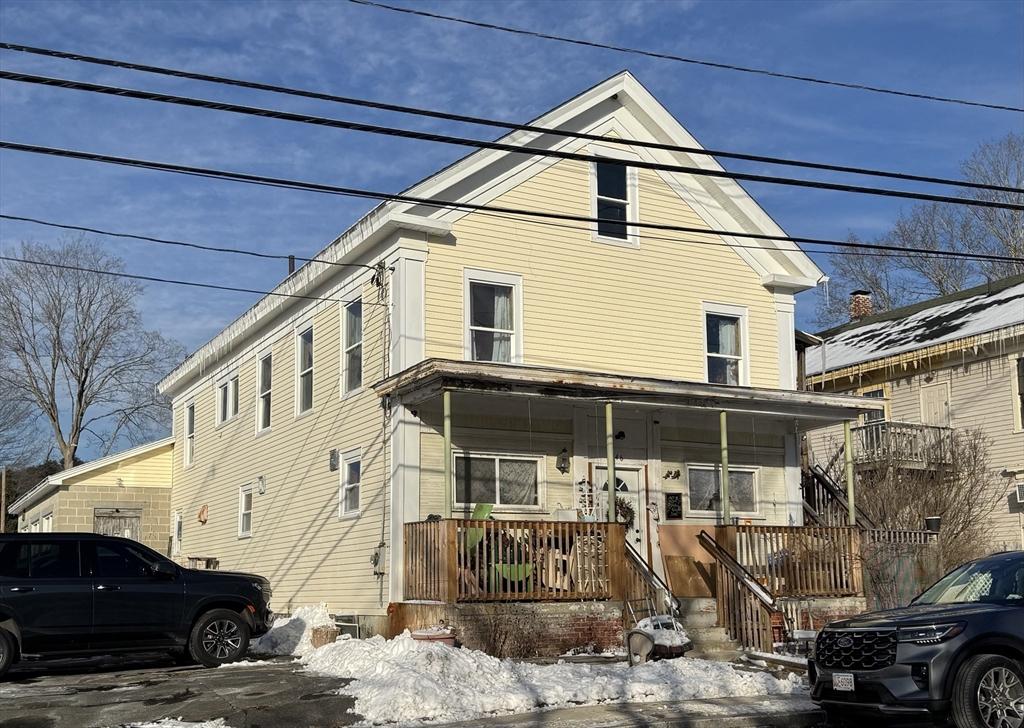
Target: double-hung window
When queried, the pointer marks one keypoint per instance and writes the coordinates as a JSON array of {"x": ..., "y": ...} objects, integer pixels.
[
  {"x": 227, "y": 400},
  {"x": 190, "y": 434},
  {"x": 264, "y": 380},
  {"x": 875, "y": 415},
  {"x": 304, "y": 371},
  {"x": 705, "y": 488},
  {"x": 504, "y": 480},
  {"x": 245, "y": 511},
  {"x": 612, "y": 203},
  {"x": 724, "y": 344},
  {"x": 1019, "y": 404},
  {"x": 352, "y": 347},
  {"x": 493, "y": 313},
  {"x": 351, "y": 472}
]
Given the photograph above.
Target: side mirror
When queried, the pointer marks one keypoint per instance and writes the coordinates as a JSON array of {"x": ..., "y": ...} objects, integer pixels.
[{"x": 164, "y": 570}]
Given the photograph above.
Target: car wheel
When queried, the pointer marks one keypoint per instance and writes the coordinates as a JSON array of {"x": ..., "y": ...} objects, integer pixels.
[
  {"x": 6, "y": 652},
  {"x": 989, "y": 693},
  {"x": 218, "y": 637}
]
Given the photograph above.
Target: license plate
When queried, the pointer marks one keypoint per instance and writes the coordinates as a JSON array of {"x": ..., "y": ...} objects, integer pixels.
[{"x": 842, "y": 681}]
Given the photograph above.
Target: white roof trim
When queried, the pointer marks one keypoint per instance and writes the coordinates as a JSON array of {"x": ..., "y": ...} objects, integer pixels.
[{"x": 51, "y": 483}]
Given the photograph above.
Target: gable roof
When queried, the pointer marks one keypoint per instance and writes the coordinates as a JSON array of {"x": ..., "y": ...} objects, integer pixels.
[
  {"x": 621, "y": 100},
  {"x": 50, "y": 483},
  {"x": 984, "y": 310}
]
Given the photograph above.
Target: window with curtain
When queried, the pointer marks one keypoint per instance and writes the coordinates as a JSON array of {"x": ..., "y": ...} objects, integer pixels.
[
  {"x": 265, "y": 376},
  {"x": 612, "y": 199},
  {"x": 725, "y": 357},
  {"x": 304, "y": 362},
  {"x": 352, "y": 356},
  {"x": 492, "y": 321},
  {"x": 706, "y": 492},
  {"x": 497, "y": 479}
]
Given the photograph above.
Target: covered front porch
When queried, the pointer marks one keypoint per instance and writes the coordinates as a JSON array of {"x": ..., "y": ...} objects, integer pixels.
[{"x": 501, "y": 476}]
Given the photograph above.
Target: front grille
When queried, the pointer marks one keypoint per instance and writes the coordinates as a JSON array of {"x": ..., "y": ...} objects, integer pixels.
[{"x": 856, "y": 649}]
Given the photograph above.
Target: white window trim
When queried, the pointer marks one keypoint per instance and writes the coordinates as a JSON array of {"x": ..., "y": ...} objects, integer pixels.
[
  {"x": 755, "y": 470},
  {"x": 541, "y": 461},
  {"x": 189, "y": 451},
  {"x": 299, "y": 331},
  {"x": 230, "y": 381},
  {"x": 248, "y": 489},
  {"x": 46, "y": 523},
  {"x": 741, "y": 313},
  {"x": 345, "y": 350},
  {"x": 176, "y": 526},
  {"x": 1018, "y": 417},
  {"x": 259, "y": 392},
  {"x": 632, "y": 239},
  {"x": 348, "y": 457},
  {"x": 515, "y": 280}
]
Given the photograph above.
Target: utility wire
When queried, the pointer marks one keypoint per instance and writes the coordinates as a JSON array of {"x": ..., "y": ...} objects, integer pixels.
[
  {"x": 183, "y": 244},
  {"x": 173, "y": 281},
  {"x": 481, "y": 144},
  {"x": 282, "y": 183},
  {"x": 564, "y": 226},
  {"x": 692, "y": 61},
  {"x": 483, "y": 121}
]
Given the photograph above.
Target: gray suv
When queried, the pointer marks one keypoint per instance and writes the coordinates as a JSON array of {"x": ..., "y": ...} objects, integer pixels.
[{"x": 957, "y": 651}]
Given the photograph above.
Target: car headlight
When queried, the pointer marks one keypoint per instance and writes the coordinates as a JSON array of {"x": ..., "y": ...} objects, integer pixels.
[{"x": 931, "y": 634}]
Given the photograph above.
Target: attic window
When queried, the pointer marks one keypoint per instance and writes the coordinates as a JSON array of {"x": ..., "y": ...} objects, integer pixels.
[{"x": 612, "y": 200}]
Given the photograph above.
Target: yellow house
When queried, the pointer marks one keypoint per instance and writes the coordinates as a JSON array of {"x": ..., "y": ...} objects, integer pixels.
[
  {"x": 462, "y": 362},
  {"x": 126, "y": 494}
]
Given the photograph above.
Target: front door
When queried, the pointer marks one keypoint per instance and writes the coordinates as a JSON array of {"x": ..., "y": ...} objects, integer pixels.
[
  {"x": 44, "y": 587},
  {"x": 132, "y": 606},
  {"x": 629, "y": 502}
]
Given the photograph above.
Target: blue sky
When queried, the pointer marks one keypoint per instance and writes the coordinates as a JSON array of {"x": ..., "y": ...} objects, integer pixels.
[{"x": 960, "y": 49}]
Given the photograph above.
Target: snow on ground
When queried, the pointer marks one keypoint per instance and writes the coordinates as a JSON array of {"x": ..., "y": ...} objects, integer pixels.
[
  {"x": 291, "y": 635},
  {"x": 405, "y": 681},
  {"x": 178, "y": 723}
]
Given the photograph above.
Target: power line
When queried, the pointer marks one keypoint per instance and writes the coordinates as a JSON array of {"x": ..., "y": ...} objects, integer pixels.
[
  {"x": 184, "y": 244},
  {"x": 481, "y": 144},
  {"x": 545, "y": 223},
  {"x": 176, "y": 282},
  {"x": 282, "y": 183},
  {"x": 483, "y": 121},
  {"x": 692, "y": 61}
]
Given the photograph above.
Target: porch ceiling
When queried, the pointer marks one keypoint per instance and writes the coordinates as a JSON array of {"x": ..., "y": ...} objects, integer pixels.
[{"x": 429, "y": 378}]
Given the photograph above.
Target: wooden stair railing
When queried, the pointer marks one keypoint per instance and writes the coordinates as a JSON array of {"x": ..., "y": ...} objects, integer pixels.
[
  {"x": 825, "y": 501},
  {"x": 644, "y": 584},
  {"x": 746, "y": 609}
]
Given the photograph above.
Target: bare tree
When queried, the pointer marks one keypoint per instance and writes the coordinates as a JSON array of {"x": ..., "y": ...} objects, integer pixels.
[
  {"x": 74, "y": 348},
  {"x": 897, "y": 280},
  {"x": 19, "y": 438}
]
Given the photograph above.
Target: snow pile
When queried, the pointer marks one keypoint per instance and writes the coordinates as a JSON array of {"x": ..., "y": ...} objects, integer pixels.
[
  {"x": 178, "y": 723},
  {"x": 666, "y": 631},
  {"x": 408, "y": 681},
  {"x": 292, "y": 635}
]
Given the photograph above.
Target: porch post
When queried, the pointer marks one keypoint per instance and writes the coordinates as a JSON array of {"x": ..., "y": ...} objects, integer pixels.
[
  {"x": 609, "y": 437},
  {"x": 446, "y": 398},
  {"x": 848, "y": 462},
  {"x": 723, "y": 430}
]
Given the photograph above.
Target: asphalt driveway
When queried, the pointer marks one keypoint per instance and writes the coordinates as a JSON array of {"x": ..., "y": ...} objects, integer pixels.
[{"x": 115, "y": 692}]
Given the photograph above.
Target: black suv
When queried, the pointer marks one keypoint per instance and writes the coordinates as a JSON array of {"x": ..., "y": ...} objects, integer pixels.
[
  {"x": 957, "y": 651},
  {"x": 74, "y": 594}
]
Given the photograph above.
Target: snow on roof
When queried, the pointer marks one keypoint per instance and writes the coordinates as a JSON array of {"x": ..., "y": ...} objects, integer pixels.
[{"x": 973, "y": 312}]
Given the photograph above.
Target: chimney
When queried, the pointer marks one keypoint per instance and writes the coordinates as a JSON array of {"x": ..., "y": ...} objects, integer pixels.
[{"x": 860, "y": 305}]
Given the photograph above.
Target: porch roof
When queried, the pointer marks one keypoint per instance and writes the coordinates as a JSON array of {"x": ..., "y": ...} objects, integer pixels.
[{"x": 430, "y": 377}]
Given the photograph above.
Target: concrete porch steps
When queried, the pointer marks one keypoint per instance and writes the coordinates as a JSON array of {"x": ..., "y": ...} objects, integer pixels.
[{"x": 699, "y": 617}]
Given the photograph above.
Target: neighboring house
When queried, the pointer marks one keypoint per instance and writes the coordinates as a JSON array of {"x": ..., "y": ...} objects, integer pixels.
[
  {"x": 951, "y": 362},
  {"x": 127, "y": 494},
  {"x": 464, "y": 362}
]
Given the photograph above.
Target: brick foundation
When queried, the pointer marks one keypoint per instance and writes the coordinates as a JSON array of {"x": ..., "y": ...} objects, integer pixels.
[
  {"x": 523, "y": 629},
  {"x": 816, "y": 613}
]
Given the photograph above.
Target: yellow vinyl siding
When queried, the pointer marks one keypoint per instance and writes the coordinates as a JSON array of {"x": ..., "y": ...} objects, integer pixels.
[
  {"x": 588, "y": 304},
  {"x": 149, "y": 469},
  {"x": 298, "y": 540}
]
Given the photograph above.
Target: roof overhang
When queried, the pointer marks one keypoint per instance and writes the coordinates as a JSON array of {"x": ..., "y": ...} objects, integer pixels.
[
  {"x": 426, "y": 380},
  {"x": 48, "y": 485}
]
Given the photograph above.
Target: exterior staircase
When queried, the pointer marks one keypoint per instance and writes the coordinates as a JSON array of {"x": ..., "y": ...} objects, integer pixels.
[{"x": 699, "y": 617}]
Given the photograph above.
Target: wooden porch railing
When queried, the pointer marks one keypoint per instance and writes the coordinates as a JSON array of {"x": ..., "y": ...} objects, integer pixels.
[
  {"x": 807, "y": 561},
  {"x": 901, "y": 442},
  {"x": 461, "y": 560}
]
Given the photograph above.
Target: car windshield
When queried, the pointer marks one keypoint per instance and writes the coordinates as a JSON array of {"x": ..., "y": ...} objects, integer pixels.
[{"x": 999, "y": 581}]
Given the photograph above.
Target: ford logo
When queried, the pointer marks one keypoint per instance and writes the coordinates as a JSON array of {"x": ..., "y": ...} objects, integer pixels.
[{"x": 844, "y": 642}]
